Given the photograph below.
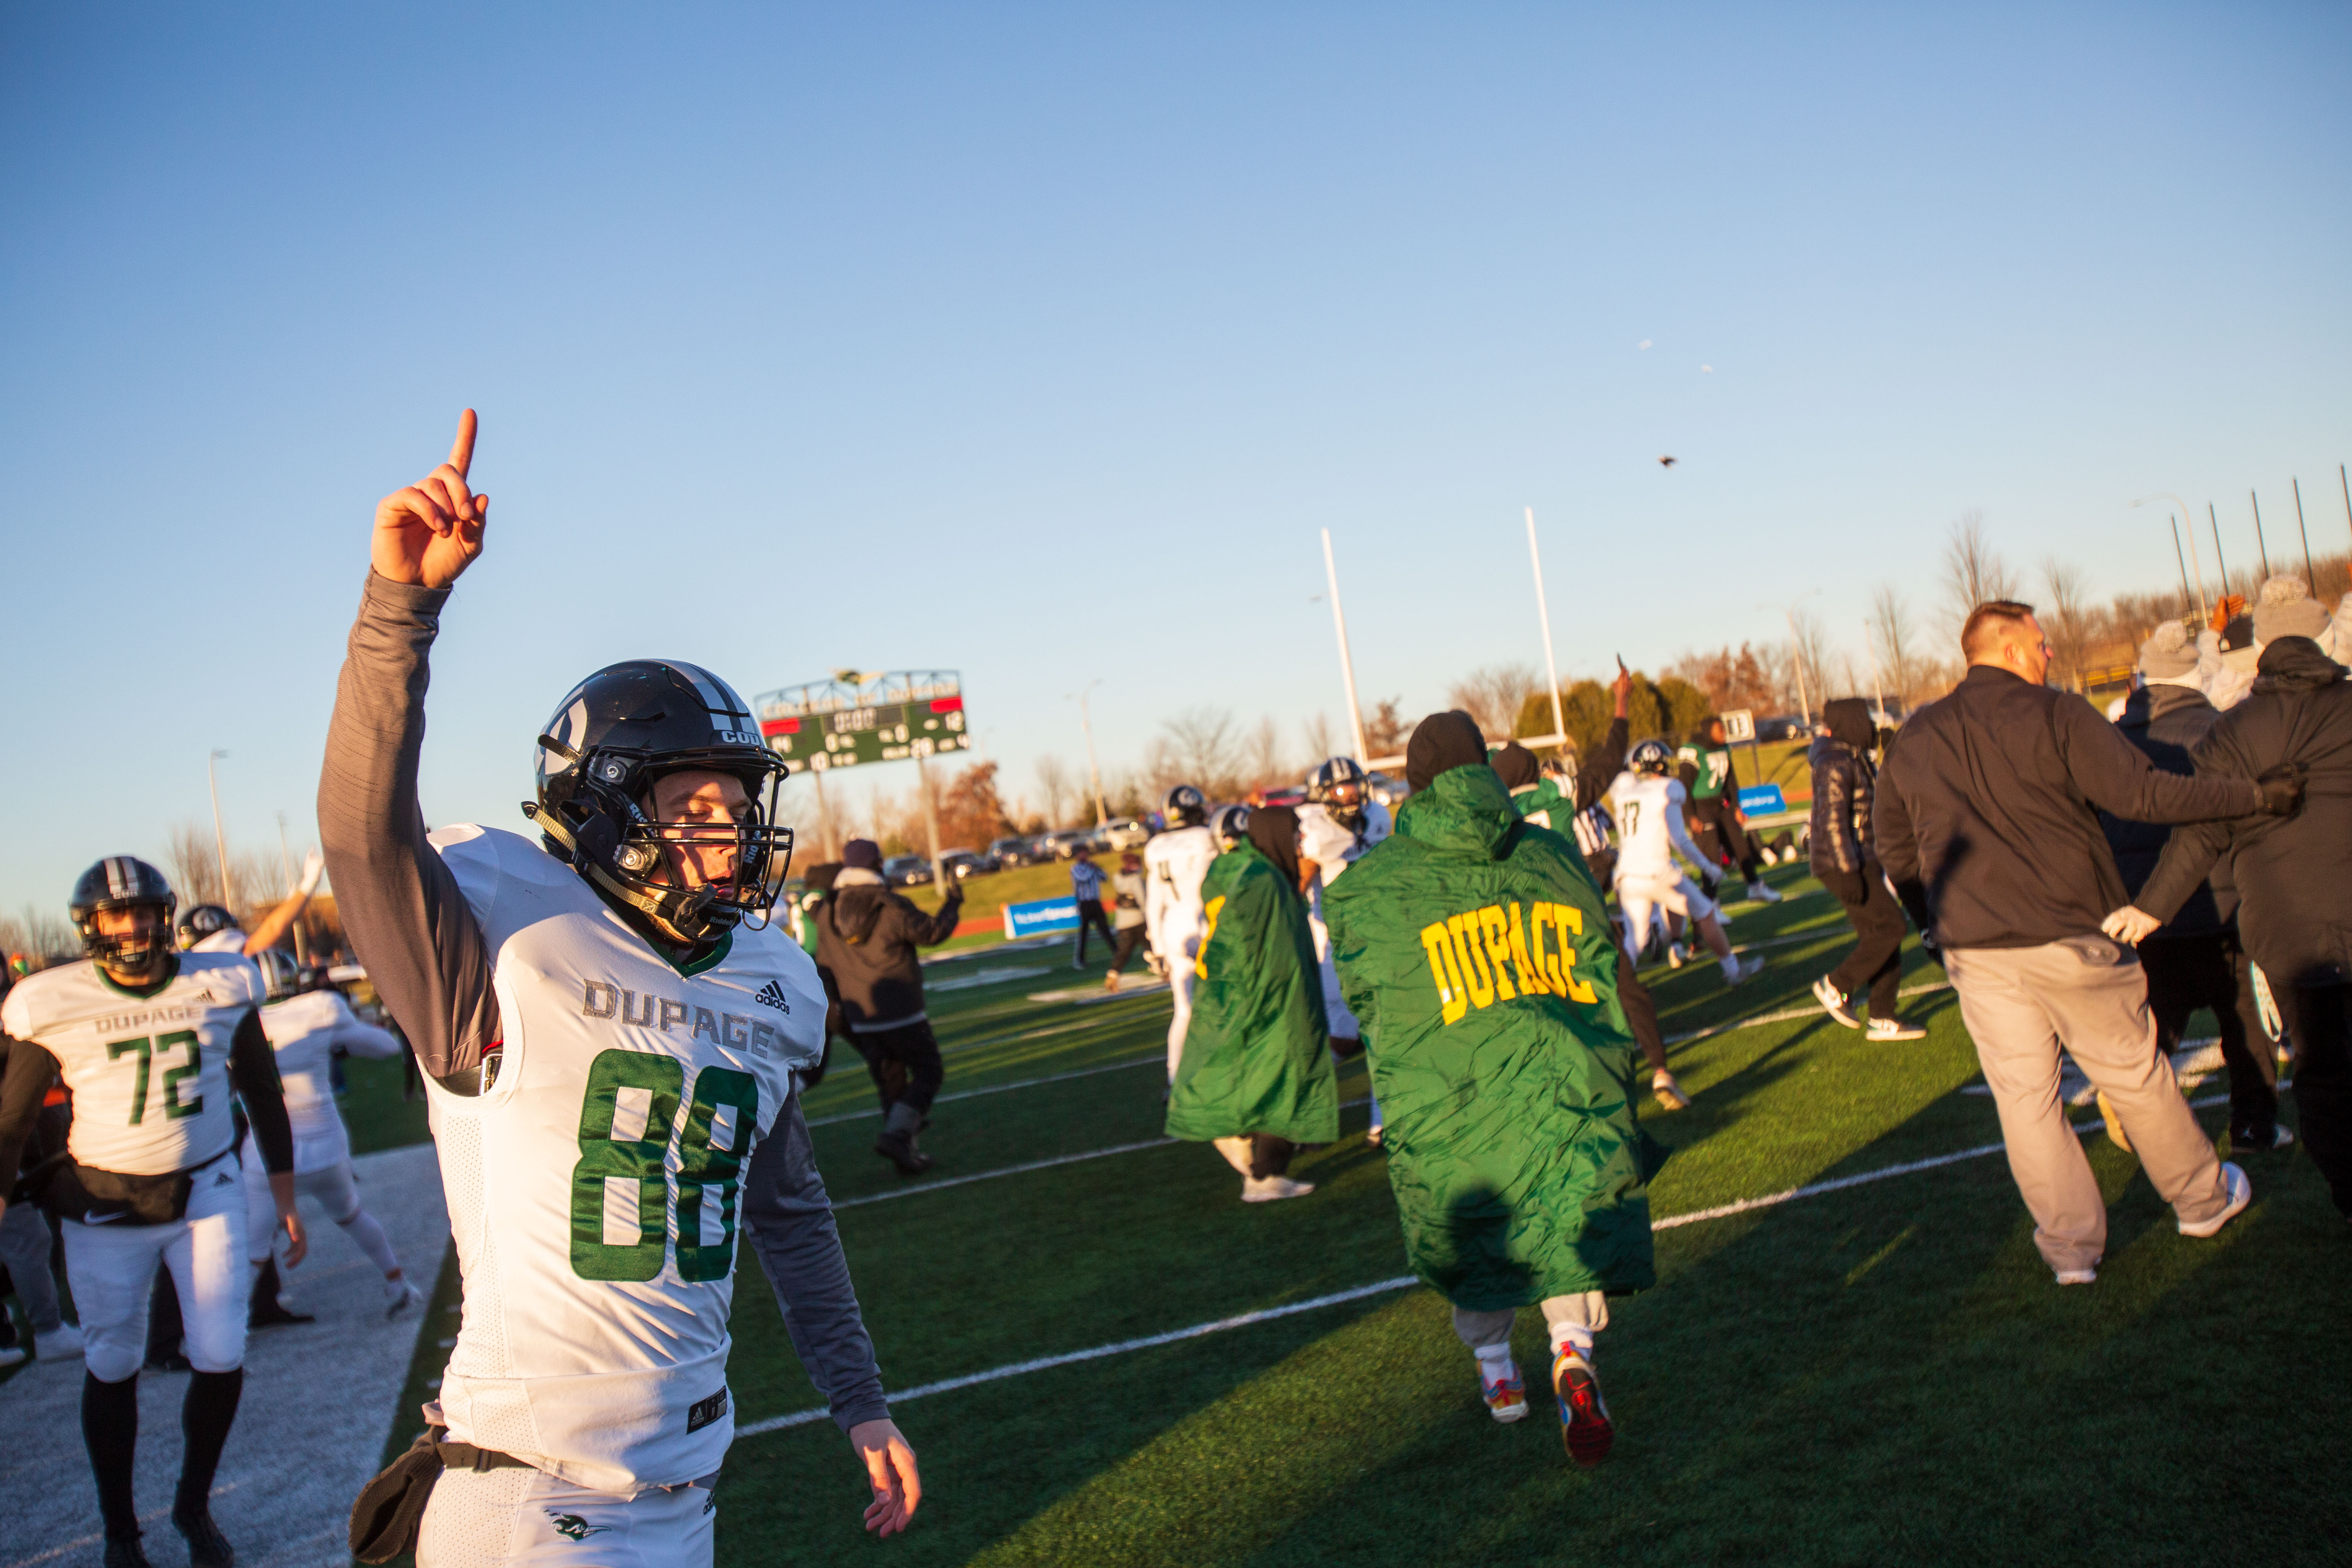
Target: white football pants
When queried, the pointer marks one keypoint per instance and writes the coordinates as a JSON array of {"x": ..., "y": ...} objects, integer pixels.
[
  {"x": 1180, "y": 956},
  {"x": 484, "y": 1519},
  {"x": 333, "y": 1189},
  {"x": 1638, "y": 895},
  {"x": 111, "y": 1266}
]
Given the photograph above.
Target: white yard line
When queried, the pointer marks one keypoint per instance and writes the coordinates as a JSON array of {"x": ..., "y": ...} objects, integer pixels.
[
  {"x": 1043, "y": 1364},
  {"x": 1812, "y": 1010},
  {"x": 1003, "y": 1087},
  {"x": 1006, "y": 1170}
]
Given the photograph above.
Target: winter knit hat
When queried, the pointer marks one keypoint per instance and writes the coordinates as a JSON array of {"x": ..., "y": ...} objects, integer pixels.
[
  {"x": 2285, "y": 608},
  {"x": 2168, "y": 654},
  {"x": 1440, "y": 743},
  {"x": 1516, "y": 766},
  {"x": 862, "y": 855}
]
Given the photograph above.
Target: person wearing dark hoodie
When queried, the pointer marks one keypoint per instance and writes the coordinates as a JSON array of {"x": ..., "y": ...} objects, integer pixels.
[
  {"x": 1476, "y": 948},
  {"x": 867, "y": 938},
  {"x": 2292, "y": 873},
  {"x": 1255, "y": 1079},
  {"x": 2197, "y": 960},
  {"x": 1845, "y": 787}
]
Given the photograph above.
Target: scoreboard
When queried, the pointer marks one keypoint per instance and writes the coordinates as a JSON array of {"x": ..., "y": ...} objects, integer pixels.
[{"x": 857, "y": 718}]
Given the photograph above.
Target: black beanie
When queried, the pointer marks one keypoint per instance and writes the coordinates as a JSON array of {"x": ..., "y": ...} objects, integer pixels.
[
  {"x": 1440, "y": 743},
  {"x": 862, "y": 854},
  {"x": 1848, "y": 718},
  {"x": 1274, "y": 830},
  {"x": 1515, "y": 765}
]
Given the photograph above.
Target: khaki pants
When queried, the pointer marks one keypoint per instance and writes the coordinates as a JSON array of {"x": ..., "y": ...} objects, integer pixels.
[{"x": 2088, "y": 994}]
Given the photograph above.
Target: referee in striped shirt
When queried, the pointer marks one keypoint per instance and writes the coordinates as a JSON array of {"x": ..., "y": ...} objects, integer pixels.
[{"x": 1086, "y": 886}]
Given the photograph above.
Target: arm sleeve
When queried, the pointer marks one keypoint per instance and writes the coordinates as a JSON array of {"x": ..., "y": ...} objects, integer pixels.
[
  {"x": 2187, "y": 859},
  {"x": 253, "y": 1067},
  {"x": 30, "y": 1071},
  {"x": 407, "y": 921},
  {"x": 1898, "y": 849},
  {"x": 2117, "y": 777},
  {"x": 789, "y": 1221},
  {"x": 1593, "y": 779},
  {"x": 929, "y": 930}
]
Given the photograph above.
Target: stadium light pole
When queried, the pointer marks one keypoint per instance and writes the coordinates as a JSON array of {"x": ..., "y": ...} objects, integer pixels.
[
  {"x": 1543, "y": 614},
  {"x": 2204, "y": 609},
  {"x": 1347, "y": 665},
  {"x": 220, "y": 839},
  {"x": 2308, "y": 574},
  {"x": 1085, "y": 722}
]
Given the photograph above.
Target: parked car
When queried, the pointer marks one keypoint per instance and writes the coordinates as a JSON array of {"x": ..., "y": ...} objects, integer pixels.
[
  {"x": 1009, "y": 853},
  {"x": 1070, "y": 840},
  {"x": 907, "y": 870},
  {"x": 1283, "y": 795},
  {"x": 1124, "y": 833},
  {"x": 1782, "y": 727},
  {"x": 963, "y": 863}
]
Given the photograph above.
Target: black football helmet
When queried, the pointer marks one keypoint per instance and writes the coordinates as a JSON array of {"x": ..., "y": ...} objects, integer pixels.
[
  {"x": 280, "y": 977},
  {"x": 1653, "y": 758},
  {"x": 611, "y": 737},
  {"x": 202, "y": 922},
  {"x": 123, "y": 882},
  {"x": 1184, "y": 807},
  {"x": 1337, "y": 785},
  {"x": 1229, "y": 825}
]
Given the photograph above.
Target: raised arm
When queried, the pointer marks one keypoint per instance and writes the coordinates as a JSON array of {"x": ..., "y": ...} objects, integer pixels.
[
  {"x": 279, "y": 920},
  {"x": 1593, "y": 779},
  {"x": 407, "y": 921}
]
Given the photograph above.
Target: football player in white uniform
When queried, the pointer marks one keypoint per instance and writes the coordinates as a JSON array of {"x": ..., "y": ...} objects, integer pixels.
[
  {"x": 1175, "y": 862},
  {"x": 306, "y": 1028},
  {"x": 209, "y": 928},
  {"x": 151, "y": 1043},
  {"x": 1338, "y": 823},
  {"x": 1648, "y": 807},
  {"x": 610, "y": 1032}
]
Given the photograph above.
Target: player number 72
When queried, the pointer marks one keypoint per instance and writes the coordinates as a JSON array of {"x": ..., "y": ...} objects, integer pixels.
[{"x": 173, "y": 1108}]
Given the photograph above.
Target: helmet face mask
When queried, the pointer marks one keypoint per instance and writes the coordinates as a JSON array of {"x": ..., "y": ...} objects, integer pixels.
[
  {"x": 122, "y": 883},
  {"x": 1651, "y": 759},
  {"x": 1338, "y": 785},
  {"x": 1184, "y": 807},
  {"x": 613, "y": 739},
  {"x": 1229, "y": 825},
  {"x": 204, "y": 921}
]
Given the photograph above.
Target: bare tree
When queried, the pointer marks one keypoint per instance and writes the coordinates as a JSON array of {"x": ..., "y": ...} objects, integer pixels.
[
  {"x": 1494, "y": 696},
  {"x": 1974, "y": 571},
  {"x": 1891, "y": 639},
  {"x": 1385, "y": 728},
  {"x": 1809, "y": 651},
  {"x": 197, "y": 877},
  {"x": 1263, "y": 754},
  {"x": 1204, "y": 745},
  {"x": 1054, "y": 783},
  {"x": 42, "y": 937},
  {"x": 2063, "y": 618},
  {"x": 1316, "y": 732}
]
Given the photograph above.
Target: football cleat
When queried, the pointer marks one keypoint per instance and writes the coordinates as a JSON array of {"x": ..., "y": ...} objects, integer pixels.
[
  {"x": 1506, "y": 1397},
  {"x": 1759, "y": 893},
  {"x": 1894, "y": 1029},
  {"x": 1584, "y": 1419},
  {"x": 898, "y": 1148},
  {"x": 1668, "y": 1092},
  {"x": 1742, "y": 970},
  {"x": 1273, "y": 1189},
  {"x": 1834, "y": 1001},
  {"x": 399, "y": 1295}
]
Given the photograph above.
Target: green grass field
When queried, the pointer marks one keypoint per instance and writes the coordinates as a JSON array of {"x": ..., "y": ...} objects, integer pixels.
[{"x": 1881, "y": 1373}]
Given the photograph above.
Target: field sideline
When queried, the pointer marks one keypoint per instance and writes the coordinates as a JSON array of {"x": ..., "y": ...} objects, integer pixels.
[{"x": 1879, "y": 1372}]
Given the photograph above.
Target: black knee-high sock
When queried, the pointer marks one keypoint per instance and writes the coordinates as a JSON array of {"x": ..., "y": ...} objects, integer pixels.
[
  {"x": 205, "y": 1418},
  {"x": 110, "y": 1429}
]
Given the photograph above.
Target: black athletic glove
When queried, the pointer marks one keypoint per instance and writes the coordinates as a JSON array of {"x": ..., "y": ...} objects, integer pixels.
[{"x": 2282, "y": 789}]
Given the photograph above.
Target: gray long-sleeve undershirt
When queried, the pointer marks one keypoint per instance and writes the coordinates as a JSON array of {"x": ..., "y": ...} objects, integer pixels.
[{"x": 426, "y": 957}]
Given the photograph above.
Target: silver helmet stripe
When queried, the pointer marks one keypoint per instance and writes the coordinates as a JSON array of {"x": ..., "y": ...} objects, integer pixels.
[{"x": 728, "y": 712}]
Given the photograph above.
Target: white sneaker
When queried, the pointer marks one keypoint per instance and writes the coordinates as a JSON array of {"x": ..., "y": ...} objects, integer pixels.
[
  {"x": 1738, "y": 971},
  {"x": 1668, "y": 1092},
  {"x": 63, "y": 1343},
  {"x": 1271, "y": 1189},
  {"x": 2076, "y": 1276},
  {"x": 399, "y": 1295},
  {"x": 1757, "y": 893},
  {"x": 1894, "y": 1029},
  {"x": 1834, "y": 1001},
  {"x": 2241, "y": 1193}
]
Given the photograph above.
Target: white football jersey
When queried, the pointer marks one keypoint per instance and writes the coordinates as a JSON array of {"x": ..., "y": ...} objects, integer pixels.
[
  {"x": 593, "y": 1184},
  {"x": 304, "y": 1031},
  {"x": 1649, "y": 813},
  {"x": 148, "y": 1070},
  {"x": 1175, "y": 864},
  {"x": 1332, "y": 845},
  {"x": 229, "y": 940}
]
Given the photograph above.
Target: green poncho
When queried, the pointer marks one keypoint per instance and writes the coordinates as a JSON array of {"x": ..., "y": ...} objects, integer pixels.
[
  {"x": 1475, "y": 950},
  {"x": 1257, "y": 1053},
  {"x": 1546, "y": 801}
]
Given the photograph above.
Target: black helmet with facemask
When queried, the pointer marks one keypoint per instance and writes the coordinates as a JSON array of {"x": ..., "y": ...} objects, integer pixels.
[
  {"x": 125, "y": 882},
  {"x": 610, "y": 738}
]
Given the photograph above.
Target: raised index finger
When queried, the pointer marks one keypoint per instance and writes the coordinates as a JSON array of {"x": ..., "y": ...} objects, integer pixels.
[{"x": 461, "y": 450}]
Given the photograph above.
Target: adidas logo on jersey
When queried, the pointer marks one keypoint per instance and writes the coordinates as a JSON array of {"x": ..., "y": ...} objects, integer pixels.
[{"x": 771, "y": 995}]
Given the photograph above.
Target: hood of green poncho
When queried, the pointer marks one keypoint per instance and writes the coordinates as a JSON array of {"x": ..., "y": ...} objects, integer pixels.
[{"x": 1465, "y": 811}]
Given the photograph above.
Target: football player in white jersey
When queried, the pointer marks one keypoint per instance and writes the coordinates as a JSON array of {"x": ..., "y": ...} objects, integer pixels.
[
  {"x": 1648, "y": 807},
  {"x": 1173, "y": 864},
  {"x": 151, "y": 1044},
  {"x": 1337, "y": 825},
  {"x": 611, "y": 1031},
  {"x": 209, "y": 928},
  {"x": 306, "y": 1028}
]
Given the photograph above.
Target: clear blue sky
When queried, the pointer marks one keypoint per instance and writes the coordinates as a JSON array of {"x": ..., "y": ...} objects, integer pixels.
[{"x": 1040, "y": 342}]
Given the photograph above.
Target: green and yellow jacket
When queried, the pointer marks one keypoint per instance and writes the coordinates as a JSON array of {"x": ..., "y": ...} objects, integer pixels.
[
  {"x": 1476, "y": 948},
  {"x": 1257, "y": 1054}
]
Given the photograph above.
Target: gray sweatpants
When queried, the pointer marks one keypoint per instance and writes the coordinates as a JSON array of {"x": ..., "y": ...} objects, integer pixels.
[
  {"x": 1589, "y": 1310},
  {"x": 25, "y": 1247},
  {"x": 2089, "y": 994}
]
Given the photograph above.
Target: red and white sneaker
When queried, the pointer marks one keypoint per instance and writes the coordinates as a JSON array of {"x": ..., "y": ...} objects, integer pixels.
[
  {"x": 1583, "y": 1414},
  {"x": 1506, "y": 1397}
]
